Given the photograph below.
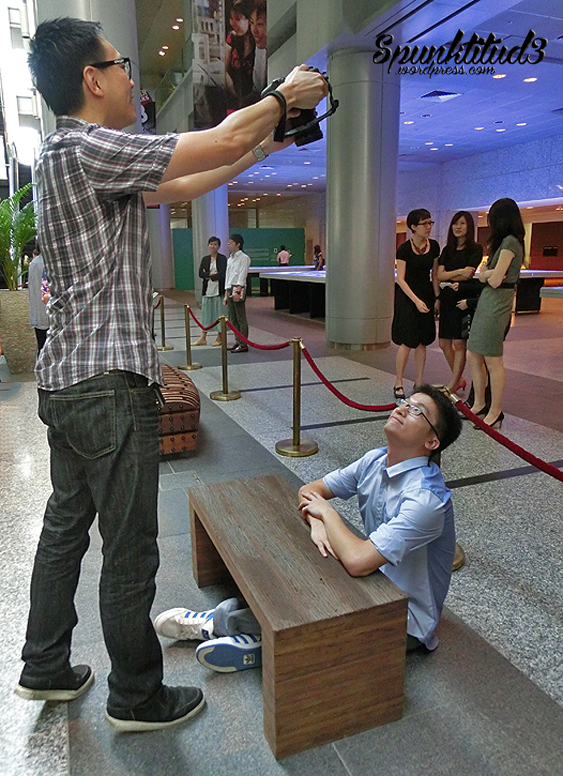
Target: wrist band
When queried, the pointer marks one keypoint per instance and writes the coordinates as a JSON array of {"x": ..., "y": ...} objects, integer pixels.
[
  {"x": 279, "y": 132},
  {"x": 259, "y": 153}
]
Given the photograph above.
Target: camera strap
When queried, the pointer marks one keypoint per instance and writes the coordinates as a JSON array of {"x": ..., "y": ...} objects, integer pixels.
[
  {"x": 272, "y": 91},
  {"x": 305, "y": 127}
]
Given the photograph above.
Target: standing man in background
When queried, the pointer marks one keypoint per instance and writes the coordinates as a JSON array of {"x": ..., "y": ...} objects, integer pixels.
[
  {"x": 283, "y": 256},
  {"x": 235, "y": 290}
]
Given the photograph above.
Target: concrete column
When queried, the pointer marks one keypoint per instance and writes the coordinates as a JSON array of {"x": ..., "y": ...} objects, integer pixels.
[
  {"x": 210, "y": 216},
  {"x": 160, "y": 237},
  {"x": 362, "y": 148}
]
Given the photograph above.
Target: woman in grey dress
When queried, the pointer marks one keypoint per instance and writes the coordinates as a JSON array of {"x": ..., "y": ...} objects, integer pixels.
[{"x": 494, "y": 309}]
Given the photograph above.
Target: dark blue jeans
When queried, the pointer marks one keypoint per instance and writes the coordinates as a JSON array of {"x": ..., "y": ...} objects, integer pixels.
[{"x": 103, "y": 435}]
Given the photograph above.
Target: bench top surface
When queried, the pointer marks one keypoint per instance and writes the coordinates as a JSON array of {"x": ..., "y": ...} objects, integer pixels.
[{"x": 266, "y": 546}]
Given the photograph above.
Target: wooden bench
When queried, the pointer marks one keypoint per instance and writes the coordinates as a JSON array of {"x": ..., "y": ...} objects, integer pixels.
[
  {"x": 179, "y": 418},
  {"x": 333, "y": 646}
]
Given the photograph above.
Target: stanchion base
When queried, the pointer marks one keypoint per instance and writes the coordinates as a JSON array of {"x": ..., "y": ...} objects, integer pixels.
[
  {"x": 220, "y": 396},
  {"x": 165, "y": 347},
  {"x": 188, "y": 367},
  {"x": 459, "y": 557},
  {"x": 304, "y": 448}
]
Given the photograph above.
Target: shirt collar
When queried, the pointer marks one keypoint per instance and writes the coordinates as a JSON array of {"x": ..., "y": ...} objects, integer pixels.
[
  {"x": 405, "y": 466},
  {"x": 71, "y": 122}
]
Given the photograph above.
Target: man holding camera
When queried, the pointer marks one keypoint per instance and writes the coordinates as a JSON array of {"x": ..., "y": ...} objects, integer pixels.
[{"x": 98, "y": 372}]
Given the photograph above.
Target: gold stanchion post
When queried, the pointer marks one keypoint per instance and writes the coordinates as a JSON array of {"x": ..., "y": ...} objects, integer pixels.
[
  {"x": 163, "y": 346},
  {"x": 188, "y": 365},
  {"x": 296, "y": 447},
  {"x": 225, "y": 394}
]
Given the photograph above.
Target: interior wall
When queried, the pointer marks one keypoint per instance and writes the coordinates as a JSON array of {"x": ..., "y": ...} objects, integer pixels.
[{"x": 547, "y": 235}]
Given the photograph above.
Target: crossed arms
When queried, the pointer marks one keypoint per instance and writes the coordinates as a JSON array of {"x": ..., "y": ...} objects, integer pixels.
[{"x": 329, "y": 533}]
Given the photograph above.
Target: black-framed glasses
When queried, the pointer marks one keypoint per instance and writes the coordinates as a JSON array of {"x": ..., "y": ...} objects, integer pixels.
[
  {"x": 123, "y": 62},
  {"x": 415, "y": 411},
  {"x": 426, "y": 223}
]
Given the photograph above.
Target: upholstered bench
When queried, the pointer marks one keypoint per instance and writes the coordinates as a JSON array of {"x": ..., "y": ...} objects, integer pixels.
[{"x": 179, "y": 417}]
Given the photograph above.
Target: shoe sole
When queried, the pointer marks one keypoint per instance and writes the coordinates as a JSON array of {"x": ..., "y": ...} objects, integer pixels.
[
  {"x": 138, "y": 726},
  {"x": 29, "y": 694},
  {"x": 227, "y": 658}
]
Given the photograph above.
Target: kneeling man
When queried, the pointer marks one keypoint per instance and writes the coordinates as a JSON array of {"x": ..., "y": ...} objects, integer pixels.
[{"x": 408, "y": 521}]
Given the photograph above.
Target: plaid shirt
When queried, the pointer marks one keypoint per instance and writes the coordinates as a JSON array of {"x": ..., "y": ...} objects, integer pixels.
[{"x": 94, "y": 240}]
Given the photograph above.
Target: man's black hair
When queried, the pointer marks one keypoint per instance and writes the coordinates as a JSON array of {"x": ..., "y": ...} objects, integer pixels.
[
  {"x": 448, "y": 422},
  {"x": 239, "y": 239},
  {"x": 58, "y": 53},
  {"x": 214, "y": 239}
]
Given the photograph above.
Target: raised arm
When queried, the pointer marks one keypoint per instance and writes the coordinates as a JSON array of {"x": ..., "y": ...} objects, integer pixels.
[{"x": 242, "y": 130}]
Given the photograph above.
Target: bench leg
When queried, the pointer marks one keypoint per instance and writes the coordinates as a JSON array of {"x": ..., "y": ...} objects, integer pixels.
[
  {"x": 207, "y": 564},
  {"x": 332, "y": 679}
]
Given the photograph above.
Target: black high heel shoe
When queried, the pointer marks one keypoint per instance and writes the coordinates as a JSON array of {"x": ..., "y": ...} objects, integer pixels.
[
  {"x": 482, "y": 412},
  {"x": 497, "y": 423}
]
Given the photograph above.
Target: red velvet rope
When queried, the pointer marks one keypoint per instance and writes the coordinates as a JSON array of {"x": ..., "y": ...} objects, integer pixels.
[
  {"x": 203, "y": 328},
  {"x": 512, "y": 446},
  {"x": 157, "y": 304},
  {"x": 336, "y": 392},
  {"x": 255, "y": 344}
]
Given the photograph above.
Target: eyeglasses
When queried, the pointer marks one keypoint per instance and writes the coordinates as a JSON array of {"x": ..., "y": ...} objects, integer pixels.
[
  {"x": 415, "y": 411},
  {"x": 123, "y": 62},
  {"x": 426, "y": 223}
]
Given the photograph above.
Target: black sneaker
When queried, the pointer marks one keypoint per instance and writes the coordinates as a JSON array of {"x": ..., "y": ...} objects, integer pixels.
[
  {"x": 64, "y": 686},
  {"x": 170, "y": 706}
]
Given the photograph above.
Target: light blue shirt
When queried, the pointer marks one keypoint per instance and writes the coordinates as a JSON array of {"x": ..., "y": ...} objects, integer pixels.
[{"x": 407, "y": 513}]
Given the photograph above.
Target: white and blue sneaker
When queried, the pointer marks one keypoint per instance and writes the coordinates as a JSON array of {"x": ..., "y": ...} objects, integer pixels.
[
  {"x": 231, "y": 653},
  {"x": 184, "y": 624}
]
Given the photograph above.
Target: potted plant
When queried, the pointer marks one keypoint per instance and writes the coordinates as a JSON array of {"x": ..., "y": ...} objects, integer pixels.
[{"x": 17, "y": 228}]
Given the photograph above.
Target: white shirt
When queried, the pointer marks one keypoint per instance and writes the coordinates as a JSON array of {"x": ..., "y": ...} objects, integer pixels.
[{"x": 237, "y": 269}]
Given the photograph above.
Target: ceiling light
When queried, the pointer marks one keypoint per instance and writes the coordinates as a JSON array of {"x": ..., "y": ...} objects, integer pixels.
[
  {"x": 179, "y": 20},
  {"x": 162, "y": 53},
  {"x": 522, "y": 124},
  {"x": 478, "y": 128},
  {"x": 434, "y": 149},
  {"x": 431, "y": 143},
  {"x": 437, "y": 96},
  {"x": 501, "y": 130},
  {"x": 175, "y": 26},
  {"x": 529, "y": 80},
  {"x": 408, "y": 122},
  {"x": 449, "y": 145},
  {"x": 306, "y": 162},
  {"x": 500, "y": 75}
]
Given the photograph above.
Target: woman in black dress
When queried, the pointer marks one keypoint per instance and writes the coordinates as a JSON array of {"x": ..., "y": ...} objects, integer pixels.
[
  {"x": 456, "y": 266},
  {"x": 416, "y": 289}
]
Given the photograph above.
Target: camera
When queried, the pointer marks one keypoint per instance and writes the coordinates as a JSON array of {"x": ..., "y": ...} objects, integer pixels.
[{"x": 305, "y": 127}]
